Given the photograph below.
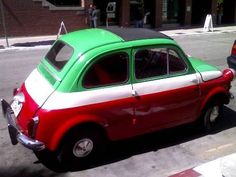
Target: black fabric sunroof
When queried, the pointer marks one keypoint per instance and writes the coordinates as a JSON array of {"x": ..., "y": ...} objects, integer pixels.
[{"x": 130, "y": 34}]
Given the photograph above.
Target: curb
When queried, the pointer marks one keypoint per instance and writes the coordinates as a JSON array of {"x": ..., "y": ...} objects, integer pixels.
[
  {"x": 221, "y": 167},
  {"x": 187, "y": 173}
]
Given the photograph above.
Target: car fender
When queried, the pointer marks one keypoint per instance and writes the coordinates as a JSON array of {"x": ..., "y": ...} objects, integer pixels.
[
  {"x": 217, "y": 91},
  {"x": 69, "y": 124}
]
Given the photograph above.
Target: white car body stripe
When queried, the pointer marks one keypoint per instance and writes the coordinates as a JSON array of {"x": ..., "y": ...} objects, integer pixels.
[
  {"x": 210, "y": 75},
  {"x": 59, "y": 100},
  {"x": 166, "y": 84},
  {"x": 38, "y": 87}
]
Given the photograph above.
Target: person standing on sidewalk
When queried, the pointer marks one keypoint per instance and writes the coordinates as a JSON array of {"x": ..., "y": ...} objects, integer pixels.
[
  {"x": 93, "y": 21},
  {"x": 88, "y": 19},
  {"x": 139, "y": 17},
  {"x": 219, "y": 13}
]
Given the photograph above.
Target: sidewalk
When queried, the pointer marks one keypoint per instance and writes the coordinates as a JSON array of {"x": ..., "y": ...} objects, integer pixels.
[
  {"x": 198, "y": 31},
  {"x": 48, "y": 40},
  {"x": 222, "y": 167},
  {"x": 28, "y": 41}
]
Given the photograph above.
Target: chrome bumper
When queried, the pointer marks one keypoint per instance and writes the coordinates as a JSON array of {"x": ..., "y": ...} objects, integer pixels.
[{"x": 15, "y": 134}]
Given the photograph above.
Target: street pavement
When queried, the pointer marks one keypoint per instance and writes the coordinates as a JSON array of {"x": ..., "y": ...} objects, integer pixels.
[{"x": 221, "y": 167}]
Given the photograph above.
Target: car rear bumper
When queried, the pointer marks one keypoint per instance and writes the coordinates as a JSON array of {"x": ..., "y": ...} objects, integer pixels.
[
  {"x": 231, "y": 62},
  {"x": 15, "y": 134}
]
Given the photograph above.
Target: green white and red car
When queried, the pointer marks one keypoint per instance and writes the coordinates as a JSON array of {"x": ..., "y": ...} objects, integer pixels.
[
  {"x": 231, "y": 60},
  {"x": 97, "y": 85}
]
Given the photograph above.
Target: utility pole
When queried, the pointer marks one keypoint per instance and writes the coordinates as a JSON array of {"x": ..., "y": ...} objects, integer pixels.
[{"x": 3, "y": 22}]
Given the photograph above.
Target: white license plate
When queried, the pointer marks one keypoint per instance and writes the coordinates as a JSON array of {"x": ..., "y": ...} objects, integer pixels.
[{"x": 16, "y": 107}]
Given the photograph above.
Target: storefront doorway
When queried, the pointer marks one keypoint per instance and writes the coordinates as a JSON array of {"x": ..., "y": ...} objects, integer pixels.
[
  {"x": 229, "y": 8},
  {"x": 102, "y": 6},
  {"x": 200, "y": 9},
  {"x": 148, "y": 10},
  {"x": 173, "y": 11}
]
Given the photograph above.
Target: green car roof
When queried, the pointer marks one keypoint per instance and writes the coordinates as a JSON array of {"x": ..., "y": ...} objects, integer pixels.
[
  {"x": 88, "y": 39},
  {"x": 92, "y": 42},
  {"x": 93, "y": 38}
]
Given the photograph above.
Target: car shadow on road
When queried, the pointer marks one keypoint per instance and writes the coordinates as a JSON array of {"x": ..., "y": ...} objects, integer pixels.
[
  {"x": 153, "y": 142},
  {"x": 26, "y": 171}
]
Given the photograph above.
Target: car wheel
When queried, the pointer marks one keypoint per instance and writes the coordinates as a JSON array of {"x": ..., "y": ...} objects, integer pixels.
[
  {"x": 211, "y": 115},
  {"x": 81, "y": 148}
]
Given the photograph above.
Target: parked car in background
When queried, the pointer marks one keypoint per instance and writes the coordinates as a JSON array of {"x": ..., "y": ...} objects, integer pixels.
[
  {"x": 96, "y": 85},
  {"x": 231, "y": 60}
]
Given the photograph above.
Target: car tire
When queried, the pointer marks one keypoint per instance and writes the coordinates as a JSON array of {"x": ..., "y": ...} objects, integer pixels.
[
  {"x": 49, "y": 159},
  {"x": 211, "y": 115},
  {"x": 81, "y": 148}
]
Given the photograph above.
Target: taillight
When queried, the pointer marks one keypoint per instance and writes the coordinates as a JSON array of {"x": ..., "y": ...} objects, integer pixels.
[
  {"x": 15, "y": 91},
  {"x": 229, "y": 73},
  {"x": 32, "y": 126},
  {"x": 233, "y": 51}
]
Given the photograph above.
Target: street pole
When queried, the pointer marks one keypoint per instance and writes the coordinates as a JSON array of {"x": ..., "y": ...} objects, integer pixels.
[{"x": 4, "y": 23}]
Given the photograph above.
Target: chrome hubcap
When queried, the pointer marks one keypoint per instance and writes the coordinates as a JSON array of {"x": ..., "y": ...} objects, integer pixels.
[
  {"x": 83, "y": 147},
  {"x": 214, "y": 113}
]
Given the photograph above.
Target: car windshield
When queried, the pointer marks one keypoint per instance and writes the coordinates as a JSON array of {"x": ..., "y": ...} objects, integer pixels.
[{"x": 59, "y": 54}]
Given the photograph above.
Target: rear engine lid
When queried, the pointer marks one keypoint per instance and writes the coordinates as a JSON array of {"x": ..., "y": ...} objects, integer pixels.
[{"x": 38, "y": 87}]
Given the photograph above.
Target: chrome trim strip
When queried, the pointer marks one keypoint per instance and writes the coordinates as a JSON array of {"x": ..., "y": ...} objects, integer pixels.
[
  {"x": 36, "y": 122},
  {"x": 15, "y": 134},
  {"x": 29, "y": 143}
]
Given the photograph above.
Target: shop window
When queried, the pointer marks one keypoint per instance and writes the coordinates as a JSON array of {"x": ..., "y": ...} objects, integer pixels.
[{"x": 170, "y": 11}]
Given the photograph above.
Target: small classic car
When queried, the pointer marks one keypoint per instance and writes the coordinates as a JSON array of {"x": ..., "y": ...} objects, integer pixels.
[
  {"x": 97, "y": 85},
  {"x": 231, "y": 60}
]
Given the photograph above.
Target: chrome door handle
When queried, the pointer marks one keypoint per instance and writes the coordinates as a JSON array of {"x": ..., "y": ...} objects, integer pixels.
[{"x": 134, "y": 93}]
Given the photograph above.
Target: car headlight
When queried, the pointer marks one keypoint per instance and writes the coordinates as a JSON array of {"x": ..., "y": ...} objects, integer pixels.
[{"x": 17, "y": 103}]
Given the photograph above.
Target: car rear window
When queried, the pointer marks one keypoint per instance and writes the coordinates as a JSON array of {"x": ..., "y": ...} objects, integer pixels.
[{"x": 59, "y": 54}]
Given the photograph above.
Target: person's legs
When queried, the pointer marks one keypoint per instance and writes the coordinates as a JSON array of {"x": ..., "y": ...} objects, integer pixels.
[
  {"x": 91, "y": 23},
  {"x": 95, "y": 23}
]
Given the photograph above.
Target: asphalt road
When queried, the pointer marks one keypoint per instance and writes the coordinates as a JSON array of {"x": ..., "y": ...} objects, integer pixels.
[{"x": 154, "y": 155}]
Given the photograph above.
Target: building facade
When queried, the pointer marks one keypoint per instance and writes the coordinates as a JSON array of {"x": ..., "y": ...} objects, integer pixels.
[
  {"x": 179, "y": 12},
  {"x": 43, "y": 17}
]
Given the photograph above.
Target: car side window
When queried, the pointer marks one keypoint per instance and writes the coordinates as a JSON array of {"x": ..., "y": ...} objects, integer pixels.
[
  {"x": 150, "y": 63},
  {"x": 176, "y": 64},
  {"x": 108, "y": 70},
  {"x": 156, "y": 62}
]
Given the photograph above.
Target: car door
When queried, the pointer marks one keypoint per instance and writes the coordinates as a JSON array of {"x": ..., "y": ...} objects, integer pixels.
[
  {"x": 165, "y": 87},
  {"x": 108, "y": 92}
]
